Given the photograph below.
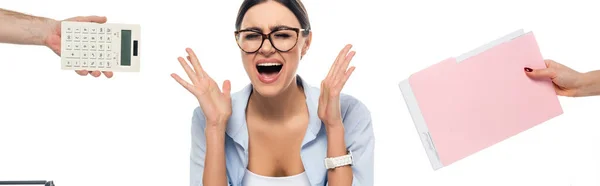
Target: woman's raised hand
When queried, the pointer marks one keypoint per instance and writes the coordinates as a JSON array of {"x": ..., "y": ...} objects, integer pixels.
[{"x": 215, "y": 104}]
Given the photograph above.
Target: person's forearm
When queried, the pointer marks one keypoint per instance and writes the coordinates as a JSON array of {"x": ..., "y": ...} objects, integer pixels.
[
  {"x": 591, "y": 85},
  {"x": 18, "y": 28},
  {"x": 336, "y": 146},
  {"x": 214, "y": 164}
]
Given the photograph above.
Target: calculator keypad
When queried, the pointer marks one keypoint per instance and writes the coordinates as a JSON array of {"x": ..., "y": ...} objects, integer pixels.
[{"x": 89, "y": 47}]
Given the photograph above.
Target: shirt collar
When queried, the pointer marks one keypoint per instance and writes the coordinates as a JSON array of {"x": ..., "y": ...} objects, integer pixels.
[{"x": 238, "y": 130}]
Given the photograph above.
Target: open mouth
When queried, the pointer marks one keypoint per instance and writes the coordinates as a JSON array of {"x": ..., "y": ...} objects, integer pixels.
[{"x": 269, "y": 69}]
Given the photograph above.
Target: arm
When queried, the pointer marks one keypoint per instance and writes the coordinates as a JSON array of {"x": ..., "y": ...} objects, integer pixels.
[
  {"x": 591, "y": 83},
  {"x": 208, "y": 153},
  {"x": 18, "y": 28},
  {"x": 361, "y": 142}
]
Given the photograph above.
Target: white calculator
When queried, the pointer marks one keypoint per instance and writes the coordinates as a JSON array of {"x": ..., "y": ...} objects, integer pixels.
[{"x": 103, "y": 47}]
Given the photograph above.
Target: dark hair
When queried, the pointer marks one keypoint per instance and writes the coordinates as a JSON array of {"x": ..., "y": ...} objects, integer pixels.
[{"x": 294, "y": 5}]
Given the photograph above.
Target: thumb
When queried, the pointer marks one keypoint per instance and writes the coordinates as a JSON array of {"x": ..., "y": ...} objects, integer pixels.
[
  {"x": 227, "y": 88},
  {"x": 540, "y": 73}
]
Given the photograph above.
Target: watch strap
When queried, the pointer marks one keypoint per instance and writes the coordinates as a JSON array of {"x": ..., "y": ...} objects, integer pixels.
[{"x": 340, "y": 161}]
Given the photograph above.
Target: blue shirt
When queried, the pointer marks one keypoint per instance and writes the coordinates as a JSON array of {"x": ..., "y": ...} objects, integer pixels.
[{"x": 359, "y": 140}]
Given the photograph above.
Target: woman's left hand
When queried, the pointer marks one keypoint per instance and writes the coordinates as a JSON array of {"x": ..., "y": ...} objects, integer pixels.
[{"x": 331, "y": 87}]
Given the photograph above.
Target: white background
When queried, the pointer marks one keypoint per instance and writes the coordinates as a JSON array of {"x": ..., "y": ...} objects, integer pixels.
[{"x": 134, "y": 129}]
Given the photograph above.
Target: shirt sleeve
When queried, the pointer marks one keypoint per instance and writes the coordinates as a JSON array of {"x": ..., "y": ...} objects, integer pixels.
[
  {"x": 360, "y": 140},
  {"x": 198, "y": 149}
]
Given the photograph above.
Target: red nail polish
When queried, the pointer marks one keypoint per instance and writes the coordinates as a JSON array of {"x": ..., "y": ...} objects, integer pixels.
[{"x": 528, "y": 69}]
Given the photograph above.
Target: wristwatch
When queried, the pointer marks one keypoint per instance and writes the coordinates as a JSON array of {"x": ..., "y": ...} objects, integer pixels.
[{"x": 340, "y": 161}]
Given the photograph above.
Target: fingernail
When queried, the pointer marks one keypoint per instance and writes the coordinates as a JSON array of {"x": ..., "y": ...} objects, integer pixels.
[{"x": 528, "y": 69}]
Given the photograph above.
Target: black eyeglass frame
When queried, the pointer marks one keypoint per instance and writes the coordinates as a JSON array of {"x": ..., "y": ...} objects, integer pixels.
[{"x": 268, "y": 36}]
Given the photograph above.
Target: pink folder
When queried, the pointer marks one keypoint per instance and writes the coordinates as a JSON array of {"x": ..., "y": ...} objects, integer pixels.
[{"x": 465, "y": 104}]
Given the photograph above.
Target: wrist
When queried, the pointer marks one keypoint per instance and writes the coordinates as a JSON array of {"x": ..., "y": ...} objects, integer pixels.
[
  {"x": 215, "y": 128},
  {"x": 336, "y": 145},
  {"x": 36, "y": 30},
  {"x": 214, "y": 134},
  {"x": 334, "y": 126},
  {"x": 590, "y": 84},
  {"x": 47, "y": 27}
]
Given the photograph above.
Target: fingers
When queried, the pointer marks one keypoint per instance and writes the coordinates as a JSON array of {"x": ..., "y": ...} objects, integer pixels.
[
  {"x": 82, "y": 72},
  {"x": 227, "y": 88},
  {"x": 347, "y": 76},
  {"x": 549, "y": 62},
  {"x": 188, "y": 70},
  {"x": 108, "y": 74},
  {"x": 540, "y": 73},
  {"x": 344, "y": 67},
  {"x": 335, "y": 67},
  {"x": 194, "y": 60},
  {"x": 93, "y": 19},
  {"x": 322, "y": 99},
  {"x": 182, "y": 82},
  {"x": 95, "y": 73}
]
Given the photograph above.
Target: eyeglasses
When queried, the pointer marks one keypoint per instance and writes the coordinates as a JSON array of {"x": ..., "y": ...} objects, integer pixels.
[{"x": 282, "y": 39}]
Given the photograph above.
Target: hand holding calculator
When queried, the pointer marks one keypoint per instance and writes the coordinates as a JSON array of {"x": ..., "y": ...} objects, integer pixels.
[{"x": 101, "y": 47}]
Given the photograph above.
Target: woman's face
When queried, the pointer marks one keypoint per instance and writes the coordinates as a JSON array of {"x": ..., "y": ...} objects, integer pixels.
[{"x": 271, "y": 71}]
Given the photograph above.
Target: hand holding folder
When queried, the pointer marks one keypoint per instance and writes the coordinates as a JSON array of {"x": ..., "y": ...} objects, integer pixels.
[{"x": 465, "y": 104}]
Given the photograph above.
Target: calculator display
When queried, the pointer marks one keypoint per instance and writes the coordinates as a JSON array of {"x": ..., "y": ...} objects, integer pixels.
[{"x": 125, "y": 47}]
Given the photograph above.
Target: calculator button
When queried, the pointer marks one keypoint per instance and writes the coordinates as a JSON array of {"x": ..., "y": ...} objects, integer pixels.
[
  {"x": 109, "y": 64},
  {"x": 77, "y": 30},
  {"x": 108, "y": 55},
  {"x": 100, "y": 55},
  {"x": 85, "y": 30},
  {"x": 108, "y": 40},
  {"x": 85, "y": 55},
  {"x": 77, "y": 46},
  {"x": 84, "y": 63},
  {"x": 115, "y": 56},
  {"x": 93, "y": 38},
  {"x": 93, "y": 55},
  {"x": 93, "y": 47},
  {"x": 76, "y": 64},
  {"x": 108, "y": 30},
  {"x": 93, "y": 30},
  {"x": 76, "y": 38},
  {"x": 85, "y": 38},
  {"x": 85, "y": 46},
  {"x": 100, "y": 64},
  {"x": 69, "y": 30},
  {"x": 68, "y": 63},
  {"x": 100, "y": 47},
  {"x": 108, "y": 47},
  {"x": 73, "y": 54},
  {"x": 69, "y": 37},
  {"x": 92, "y": 64},
  {"x": 101, "y": 30},
  {"x": 69, "y": 46},
  {"x": 100, "y": 38}
]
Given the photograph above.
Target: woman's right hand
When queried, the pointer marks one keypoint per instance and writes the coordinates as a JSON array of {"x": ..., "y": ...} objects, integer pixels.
[
  {"x": 567, "y": 82},
  {"x": 215, "y": 104}
]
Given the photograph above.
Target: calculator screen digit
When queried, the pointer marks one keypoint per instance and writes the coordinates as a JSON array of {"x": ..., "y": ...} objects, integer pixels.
[{"x": 125, "y": 47}]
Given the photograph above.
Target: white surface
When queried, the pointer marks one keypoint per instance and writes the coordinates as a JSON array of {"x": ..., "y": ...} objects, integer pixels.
[
  {"x": 93, "y": 46},
  {"x": 134, "y": 129},
  {"x": 421, "y": 127}
]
